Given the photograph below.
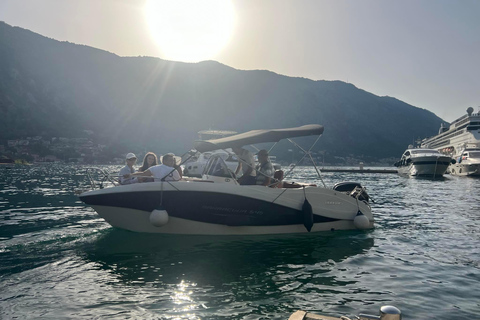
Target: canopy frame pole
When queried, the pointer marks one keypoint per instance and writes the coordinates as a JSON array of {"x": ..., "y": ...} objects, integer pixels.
[
  {"x": 271, "y": 148},
  {"x": 309, "y": 154}
]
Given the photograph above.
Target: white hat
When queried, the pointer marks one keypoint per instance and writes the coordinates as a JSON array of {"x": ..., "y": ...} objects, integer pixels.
[{"x": 130, "y": 156}]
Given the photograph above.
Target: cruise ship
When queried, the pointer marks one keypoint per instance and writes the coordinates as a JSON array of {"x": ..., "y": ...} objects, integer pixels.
[
  {"x": 462, "y": 135},
  {"x": 453, "y": 139}
]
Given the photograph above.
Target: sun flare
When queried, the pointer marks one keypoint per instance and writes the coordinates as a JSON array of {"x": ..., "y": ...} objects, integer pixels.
[{"x": 190, "y": 30}]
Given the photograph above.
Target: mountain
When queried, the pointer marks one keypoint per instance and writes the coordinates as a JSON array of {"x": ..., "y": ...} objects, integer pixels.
[{"x": 54, "y": 88}]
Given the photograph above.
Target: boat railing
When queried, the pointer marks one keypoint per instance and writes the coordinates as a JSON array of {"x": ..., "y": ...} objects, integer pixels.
[{"x": 99, "y": 178}]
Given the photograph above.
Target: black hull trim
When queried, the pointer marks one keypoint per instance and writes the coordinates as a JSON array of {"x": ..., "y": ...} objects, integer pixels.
[
  {"x": 210, "y": 207},
  {"x": 439, "y": 163}
]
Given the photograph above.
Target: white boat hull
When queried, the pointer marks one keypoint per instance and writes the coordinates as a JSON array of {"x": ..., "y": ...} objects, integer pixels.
[
  {"x": 465, "y": 169},
  {"x": 224, "y": 209},
  {"x": 426, "y": 166},
  {"x": 139, "y": 221}
]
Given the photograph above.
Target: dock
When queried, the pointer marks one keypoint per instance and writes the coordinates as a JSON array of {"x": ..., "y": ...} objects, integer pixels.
[
  {"x": 302, "y": 315},
  {"x": 386, "y": 312}
]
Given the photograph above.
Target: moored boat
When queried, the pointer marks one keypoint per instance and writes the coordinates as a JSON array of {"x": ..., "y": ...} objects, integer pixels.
[
  {"x": 423, "y": 162},
  {"x": 218, "y": 205},
  {"x": 468, "y": 162}
]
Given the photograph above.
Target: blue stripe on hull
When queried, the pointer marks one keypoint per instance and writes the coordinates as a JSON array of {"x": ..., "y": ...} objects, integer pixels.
[{"x": 210, "y": 207}]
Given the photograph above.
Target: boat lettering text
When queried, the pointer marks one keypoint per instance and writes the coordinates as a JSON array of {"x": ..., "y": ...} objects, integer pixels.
[
  {"x": 332, "y": 203},
  {"x": 233, "y": 210}
]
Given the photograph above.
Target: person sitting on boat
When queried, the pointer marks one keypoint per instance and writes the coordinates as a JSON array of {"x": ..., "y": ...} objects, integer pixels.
[
  {"x": 264, "y": 169},
  {"x": 279, "y": 183},
  {"x": 126, "y": 171},
  {"x": 174, "y": 163},
  {"x": 163, "y": 172},
  {"x": 149, "y": 160},
  {"x": 246, "y": 163}
]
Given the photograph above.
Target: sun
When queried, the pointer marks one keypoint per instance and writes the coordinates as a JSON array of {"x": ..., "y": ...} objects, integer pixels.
[{"x": 190, "y": 30}]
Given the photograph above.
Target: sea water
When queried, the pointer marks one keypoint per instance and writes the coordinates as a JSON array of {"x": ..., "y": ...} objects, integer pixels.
[{"x": 59, "y": 260}]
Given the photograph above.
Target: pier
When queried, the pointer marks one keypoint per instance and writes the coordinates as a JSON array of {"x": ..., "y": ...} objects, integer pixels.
[{"x": 302, "y": 315}]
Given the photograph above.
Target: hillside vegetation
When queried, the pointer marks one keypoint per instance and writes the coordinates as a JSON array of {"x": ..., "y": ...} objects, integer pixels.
[{"x": 61, "y": 89}]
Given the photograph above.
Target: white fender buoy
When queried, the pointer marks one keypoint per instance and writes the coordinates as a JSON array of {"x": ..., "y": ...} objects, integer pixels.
[
  {"x": 361, "y": 221},
  {"x": 159, "y": 217}
]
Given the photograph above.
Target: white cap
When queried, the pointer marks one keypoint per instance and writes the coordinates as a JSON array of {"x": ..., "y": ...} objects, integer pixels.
[{"x": 130, "y": 156}]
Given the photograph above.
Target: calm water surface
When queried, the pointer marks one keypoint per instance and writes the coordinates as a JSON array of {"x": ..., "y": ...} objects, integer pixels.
[{"x": 58, "y": 259}]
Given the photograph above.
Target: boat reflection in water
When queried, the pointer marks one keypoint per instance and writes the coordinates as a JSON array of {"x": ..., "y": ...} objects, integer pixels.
[{"x": 223, "y": 260}]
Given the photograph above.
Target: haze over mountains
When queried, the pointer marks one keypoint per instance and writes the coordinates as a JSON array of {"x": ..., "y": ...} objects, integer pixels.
[{"x": 61, "y": 89}]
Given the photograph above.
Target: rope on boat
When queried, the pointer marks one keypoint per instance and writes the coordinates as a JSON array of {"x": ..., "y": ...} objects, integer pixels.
[
  {"x": 279, "y": 195},
  {"x": 161, "y": 194}
]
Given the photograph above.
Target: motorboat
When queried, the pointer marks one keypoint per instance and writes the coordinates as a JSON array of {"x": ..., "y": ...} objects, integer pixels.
[
  {"x": 468, "y": 162},
  {"x": 195, "y": 166},
  {"x": 423, "y": 162},
  {"x": 217, "y": 205}
]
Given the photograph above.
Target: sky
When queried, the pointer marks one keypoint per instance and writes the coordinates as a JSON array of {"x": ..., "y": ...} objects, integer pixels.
[{"x": 423, "y": 52}]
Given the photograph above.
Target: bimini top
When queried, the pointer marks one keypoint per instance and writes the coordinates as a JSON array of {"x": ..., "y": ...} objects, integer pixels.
[{"x": 257, "y": 136}]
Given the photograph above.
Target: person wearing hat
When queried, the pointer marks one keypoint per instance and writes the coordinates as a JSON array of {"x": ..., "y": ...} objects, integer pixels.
[
  {"x": 167, "y": 171},
  {"x": 264, "y": 168},
  {"x": 126, "y": 171}
]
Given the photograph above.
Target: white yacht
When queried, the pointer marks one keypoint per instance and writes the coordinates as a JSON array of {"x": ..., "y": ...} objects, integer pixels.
[
  {"x": 468, "y": 163},
  {"x": 423, "y": 162}
]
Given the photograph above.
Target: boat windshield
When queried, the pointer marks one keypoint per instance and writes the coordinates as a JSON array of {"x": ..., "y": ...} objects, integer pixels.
[{"x": 216, "y": 166}]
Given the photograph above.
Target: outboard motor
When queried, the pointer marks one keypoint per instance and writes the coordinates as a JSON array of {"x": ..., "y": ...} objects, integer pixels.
[{"x": 354, "y": 189}]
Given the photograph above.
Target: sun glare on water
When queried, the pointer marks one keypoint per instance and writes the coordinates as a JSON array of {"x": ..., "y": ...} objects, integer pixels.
[{"x": 190, "y": 30}]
